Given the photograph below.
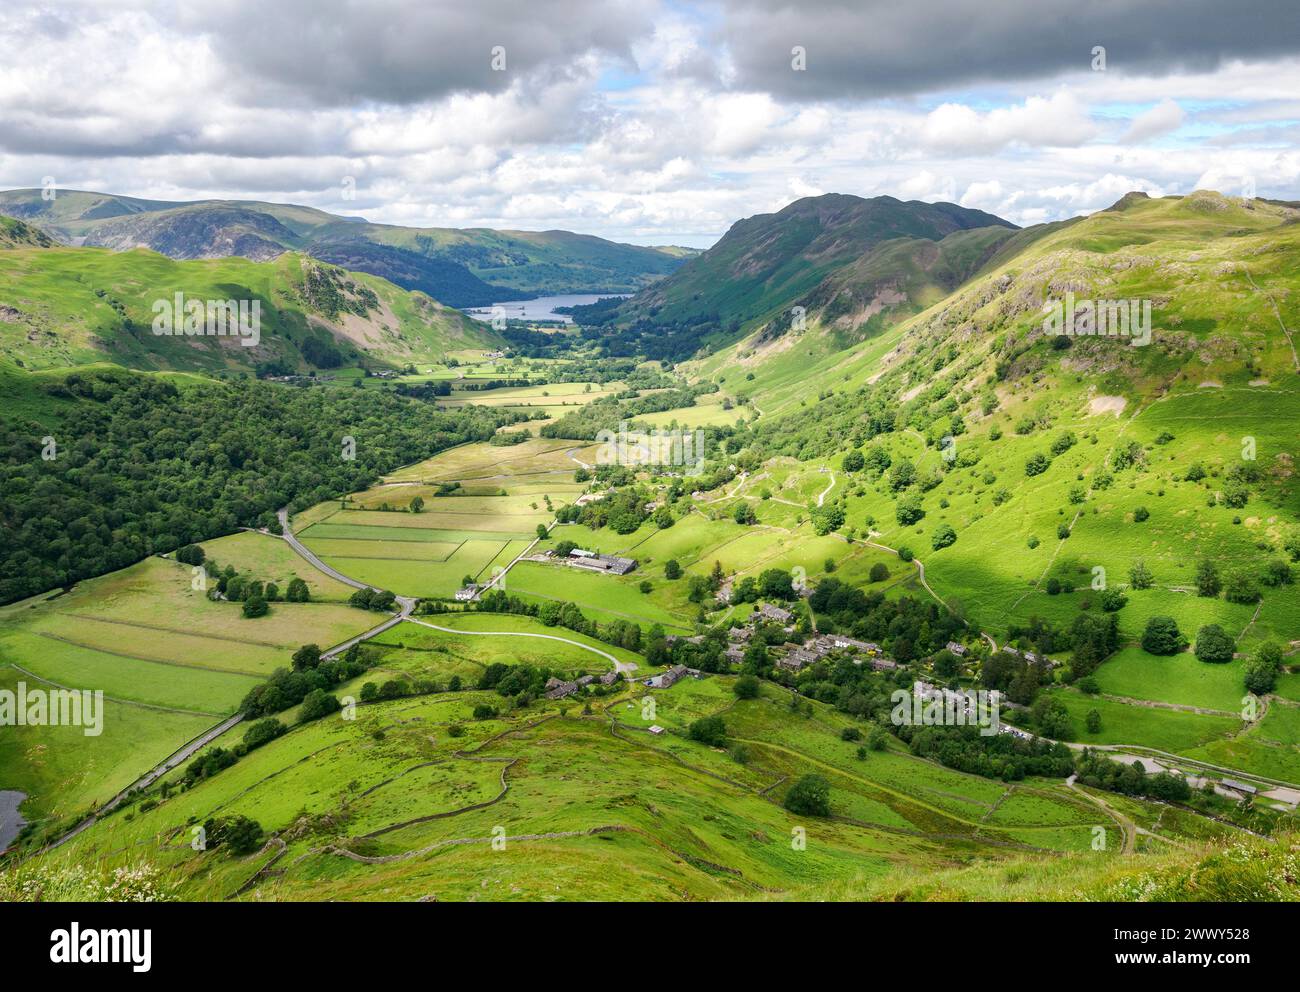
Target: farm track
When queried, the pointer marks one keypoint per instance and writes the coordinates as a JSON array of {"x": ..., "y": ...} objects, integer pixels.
[
  {"x": 152, "y": 661},
  {"x": 116, "y": 699},
  {"x": 173, "y": 630}
]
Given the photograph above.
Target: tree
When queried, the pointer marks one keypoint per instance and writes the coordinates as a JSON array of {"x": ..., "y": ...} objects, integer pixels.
[
  {"x": 746, "y": 687},
  {"x": 902, "y": 475},
  {"x": 709, "y": 730},
  {"x": 1214, "y": 645},
  {"x": 1260, "y": 679},
  {"x": 542, "y": 532},
  {"x": 853, "y": 461},
  {"x": 1139, "y": 576},
  {"x": 744, "y": 513},
  {"x": 1240, "y": 587},
  {"x": 1036, "y": 464},
  {"x": 297, "y": 591},
  {"x": 943, "y": 536},
  {"x": 255, "y": 606},
  {"x": 1162, "y": 636},
  {"x": 908, "y": 509},
  {"x": 417, "y": 504},
  {"x": 672, "y": 570},
  {"x": 318, "y": 703},
  {"x": 810, "y": 796},
  {"x": 239, "y": 835},
  {"x": 1113, "y": 600},
  {"x": 1141, "y": 514},
  {"x": 879, "y": 572},
  {"x": 191, "y": 554},
  {"x": 1093, "y": 722},
  {"x": 1208, "y": 582},
  {"x": 306, "y": 657}
]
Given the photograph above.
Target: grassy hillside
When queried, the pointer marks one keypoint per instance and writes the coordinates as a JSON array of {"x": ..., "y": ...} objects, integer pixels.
[
  {"x": 471, "y": 267},
  {"x": 16, "y": 234},
  {"x": 72, "y": 306}
]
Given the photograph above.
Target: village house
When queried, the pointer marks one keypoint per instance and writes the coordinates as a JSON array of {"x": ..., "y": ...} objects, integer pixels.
[
  {"x": 467, "y": 592},
  {"x": 562, "y": 690},
  {"x": 609, "y": 678},
  {"x": 741, "y": 634},
  {"x": 734, "y": 654},
  {"x": 884, "y": 664},
  {"x": 585, "y": 680},
  {"x": 769, "y": 612},
  {"x": 668, "y": 678},
  {"x": 958, "y": 649}
]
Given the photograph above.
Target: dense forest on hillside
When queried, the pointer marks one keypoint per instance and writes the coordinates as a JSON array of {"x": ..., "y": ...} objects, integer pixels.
[{"x": 140, "y": 465}]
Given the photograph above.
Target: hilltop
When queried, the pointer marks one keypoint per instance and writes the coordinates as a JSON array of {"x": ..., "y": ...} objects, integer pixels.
[
  {"x": 71, "y": 306},
  {"x": 868, "y": 259},
  {"x": 461, "y": 267}
]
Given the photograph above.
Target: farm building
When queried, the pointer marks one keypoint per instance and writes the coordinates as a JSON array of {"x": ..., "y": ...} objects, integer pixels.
[
  {"x": 601, "y": 563},
  {"x": 467, "y": 592}
]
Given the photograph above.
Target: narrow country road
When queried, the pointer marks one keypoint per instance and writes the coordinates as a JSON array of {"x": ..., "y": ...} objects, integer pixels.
[
  {"x": 626, "y": 667},
  {"x": 822, "y": 495},
  {"x": 158, "y": 771}
]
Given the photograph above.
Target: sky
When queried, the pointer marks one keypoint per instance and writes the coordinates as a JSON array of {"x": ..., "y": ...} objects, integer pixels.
[{"x": 649, "y": 121}]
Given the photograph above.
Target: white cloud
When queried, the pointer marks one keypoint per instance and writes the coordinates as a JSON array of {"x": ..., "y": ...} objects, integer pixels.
[{"x": 1164, "y": 117}]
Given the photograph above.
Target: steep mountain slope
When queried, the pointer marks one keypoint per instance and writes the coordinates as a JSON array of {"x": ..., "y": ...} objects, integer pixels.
[
  {"x": 16, "y": 234},
  {"x": 1059, "y": 440},
  {"x": 460, "y": 267},
  {"x": 71, "y": 306},
  {"x": 866, "y": 257}
]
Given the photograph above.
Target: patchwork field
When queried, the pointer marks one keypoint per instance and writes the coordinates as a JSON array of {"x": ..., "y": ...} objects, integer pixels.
[
  {"x": 469, "y": 531},
  {"x": 170, "y": 662}
]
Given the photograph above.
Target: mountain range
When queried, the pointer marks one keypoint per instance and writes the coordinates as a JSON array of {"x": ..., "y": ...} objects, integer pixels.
[{"x": 458, "y": 267}]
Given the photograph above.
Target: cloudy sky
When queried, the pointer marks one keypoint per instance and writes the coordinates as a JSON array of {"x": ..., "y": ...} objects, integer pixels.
[{"x": 650, "y": 121}]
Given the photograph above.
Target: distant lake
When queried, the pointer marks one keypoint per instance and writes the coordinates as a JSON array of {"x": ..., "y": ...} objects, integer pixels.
[
  {"x": 541, "y": 307},
  {"x": 10, "y": 821}
]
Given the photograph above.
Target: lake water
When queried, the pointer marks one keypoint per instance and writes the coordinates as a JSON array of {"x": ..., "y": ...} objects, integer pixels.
[
  {"x": 10, "y": 820},
  {"x": 541, "y": 307}
]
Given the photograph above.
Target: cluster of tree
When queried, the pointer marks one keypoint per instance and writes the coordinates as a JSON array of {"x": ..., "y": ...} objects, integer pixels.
[
  {"x": 1262, "y": 670},
  {"x": 1002, "y": 756},
  {"x": 380, "y": 600},
  {"x": 623, "y": 633},
  {"x": 239, "y": 835},
  {"x": 1097, "y": 770},
  {"x": 586, "y": 422},
  {"x": 214, "y": 760},
  {"x": 1239, "y": 585},
  {"x": 143, "y": 465},
  {"x": 622, "y": 512},
  {"x": 1092, "y": 638},
  {"x": 906, "y": 627},
  {"x": 306, "y": 683}
]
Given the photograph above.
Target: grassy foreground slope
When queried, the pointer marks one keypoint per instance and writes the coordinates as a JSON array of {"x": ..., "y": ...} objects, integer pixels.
[
  {"x": 394, "y": 805},
  {"x": 170, "y": 662}
]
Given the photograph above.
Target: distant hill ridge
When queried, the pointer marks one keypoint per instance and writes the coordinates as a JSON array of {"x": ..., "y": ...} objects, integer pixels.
[
  {"x": 471, "y": 267},
  {"x": 877, "y": 255}
]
